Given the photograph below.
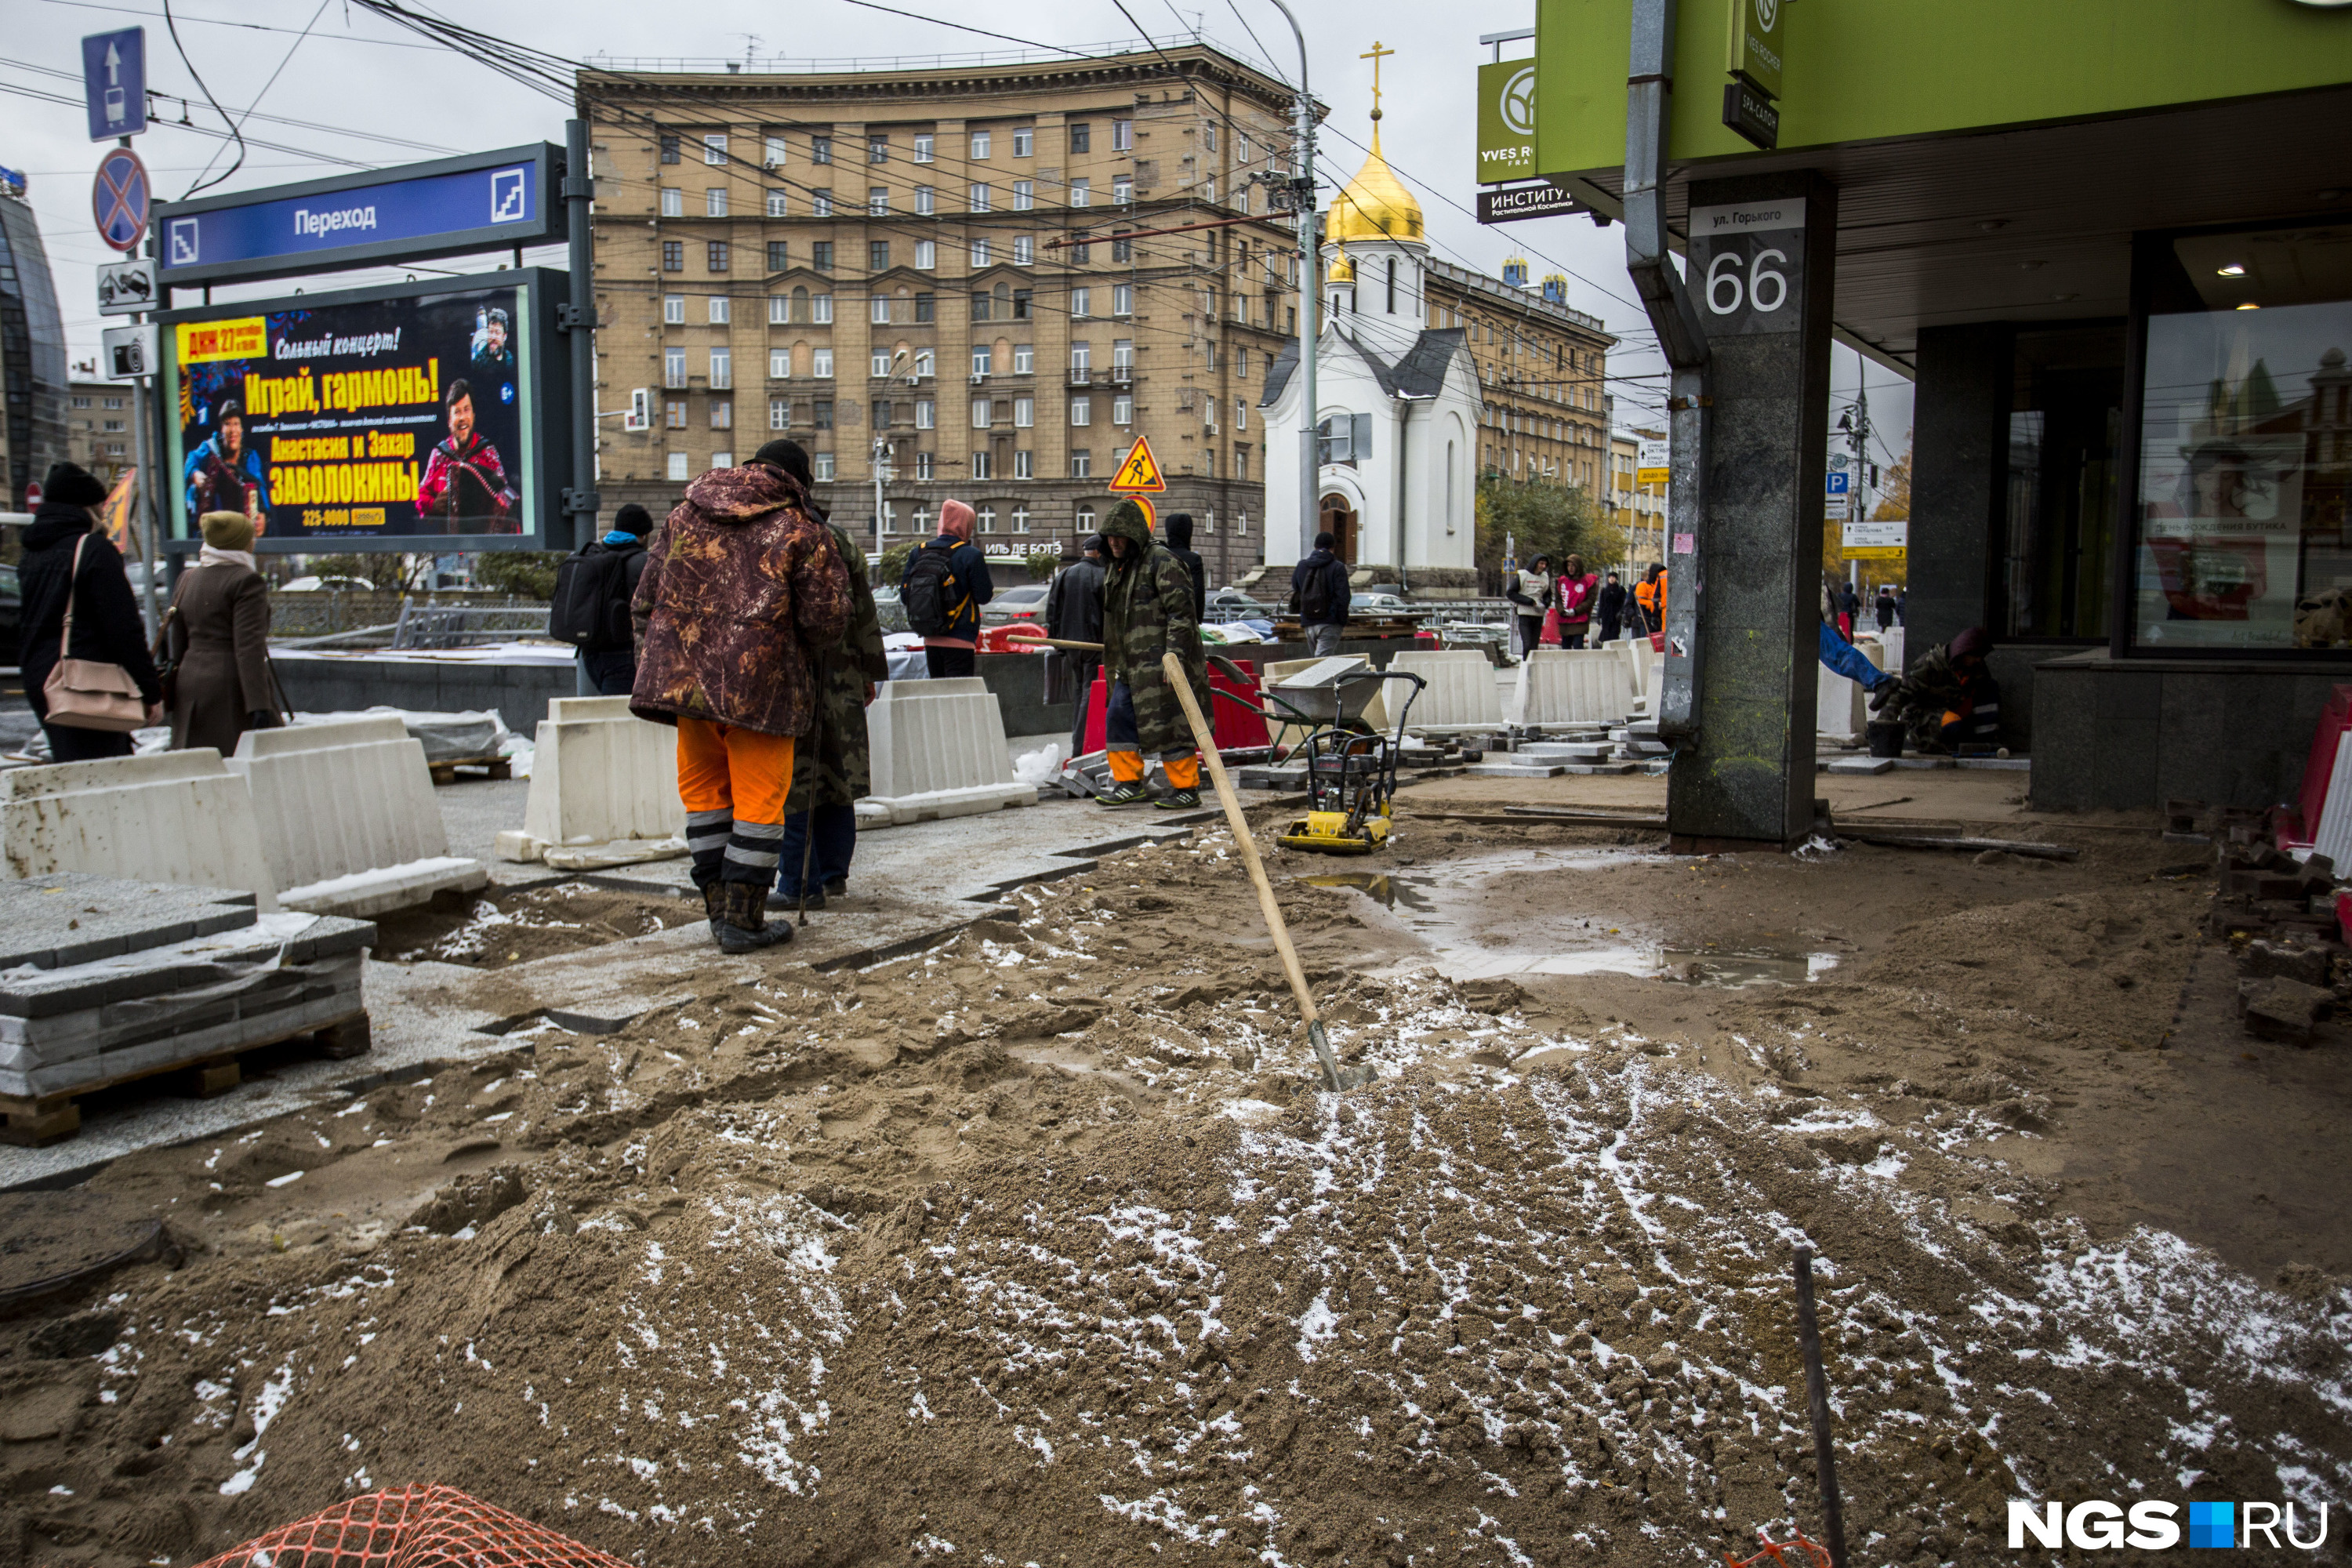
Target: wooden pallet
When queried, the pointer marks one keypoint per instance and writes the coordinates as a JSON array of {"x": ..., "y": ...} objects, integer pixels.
[
  {"x": 445, "y": 773},
  {"x": 51, "y": 1118}
]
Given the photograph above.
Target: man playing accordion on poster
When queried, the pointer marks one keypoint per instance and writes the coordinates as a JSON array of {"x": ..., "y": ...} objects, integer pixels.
[{"x": 465, "y": 487}]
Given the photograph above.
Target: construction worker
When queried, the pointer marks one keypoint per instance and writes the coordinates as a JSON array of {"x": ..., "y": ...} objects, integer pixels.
[
  {"x": 1650, "y": 601},
  {"x": 1948, "y": 700},
  {"x": 740, "y": 583},
  {"x": 1146, "y": 601}
]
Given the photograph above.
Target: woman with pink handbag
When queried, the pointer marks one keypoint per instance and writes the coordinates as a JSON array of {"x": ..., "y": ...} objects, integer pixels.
[{"x": 88, "y": 672}]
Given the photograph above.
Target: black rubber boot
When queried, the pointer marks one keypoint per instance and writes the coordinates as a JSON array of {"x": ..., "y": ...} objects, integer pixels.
[{"x": 742, "y": 924}]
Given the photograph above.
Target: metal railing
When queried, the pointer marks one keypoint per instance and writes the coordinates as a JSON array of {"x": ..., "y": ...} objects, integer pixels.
[{"x": 465, "y": 625}]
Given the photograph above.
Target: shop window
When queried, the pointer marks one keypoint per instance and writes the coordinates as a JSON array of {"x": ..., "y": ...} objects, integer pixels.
[{"x": 2065, "y": 428}]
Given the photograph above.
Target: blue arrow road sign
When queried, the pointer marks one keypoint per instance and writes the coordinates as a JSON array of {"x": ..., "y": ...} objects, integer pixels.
[
  {"x": 1840, "y": 484},
  {"x": 119, "y": 199},
  {"x": 114, "y": 82}
]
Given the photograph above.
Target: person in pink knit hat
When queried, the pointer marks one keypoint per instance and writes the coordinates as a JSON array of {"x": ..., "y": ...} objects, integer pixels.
[{"x": 944, "y": 585}]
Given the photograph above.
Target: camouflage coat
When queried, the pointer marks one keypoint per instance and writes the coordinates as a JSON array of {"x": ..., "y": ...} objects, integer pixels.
[
  {"x": 1147, "y": 603},
  {"x": 831, "y": 766},
  {"x": 740, "y": 583}
]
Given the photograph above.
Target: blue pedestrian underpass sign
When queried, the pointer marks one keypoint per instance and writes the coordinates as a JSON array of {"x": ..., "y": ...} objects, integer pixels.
[
  {"x": 119, "y": 199},
  {"x": 114, "y": 82}
]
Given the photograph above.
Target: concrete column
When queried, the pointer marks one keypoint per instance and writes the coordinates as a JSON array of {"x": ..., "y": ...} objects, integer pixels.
[
  {"x": 1958, "y": 512},
  {"x": 1762, "y": 265}
]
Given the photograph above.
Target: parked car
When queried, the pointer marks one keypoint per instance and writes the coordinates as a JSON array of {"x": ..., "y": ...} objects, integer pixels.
[
  {"x": 1233, "y": 605},
  {"x": 329, "y": 586},
  {"x": 1379, "y": 606},
  {"x": 1025, "y": 603}
]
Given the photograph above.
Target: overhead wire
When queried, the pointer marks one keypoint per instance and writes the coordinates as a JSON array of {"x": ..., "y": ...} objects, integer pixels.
[
  {"x": 172, "y": 27},
  {"x": 286, "y": 60}
]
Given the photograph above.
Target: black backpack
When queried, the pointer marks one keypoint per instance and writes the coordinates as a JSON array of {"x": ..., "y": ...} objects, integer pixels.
[
  {"x": 1315, "y": 596},
  {"x": 930, "y": 592},
  {"x": 590, "y": 607}
]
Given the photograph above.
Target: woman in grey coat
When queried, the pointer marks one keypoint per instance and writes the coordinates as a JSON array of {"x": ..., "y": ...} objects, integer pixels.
[{"x": 221, "y": 637}]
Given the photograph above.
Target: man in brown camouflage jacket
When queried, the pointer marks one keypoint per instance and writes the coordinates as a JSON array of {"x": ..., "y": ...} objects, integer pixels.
[{"x": 740, "y": 583}]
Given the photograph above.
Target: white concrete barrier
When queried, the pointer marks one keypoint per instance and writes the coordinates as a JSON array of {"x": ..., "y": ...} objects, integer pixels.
[
  {"x": 1840, "y": 707},
  {"x": 1462, "y": 697},
  {"x": 938, "y": 749},
  {"x": 1575, "y": 686},
  {"x": 347, "y": 815},
  {"x": 1893, "y": 639},
  {"x": 599, "y": 773},
  {"x": 173, "y": 817}
]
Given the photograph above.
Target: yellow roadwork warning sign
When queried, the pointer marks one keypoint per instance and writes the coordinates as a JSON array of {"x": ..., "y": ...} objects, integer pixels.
[{"x": 1140, "y": 471}]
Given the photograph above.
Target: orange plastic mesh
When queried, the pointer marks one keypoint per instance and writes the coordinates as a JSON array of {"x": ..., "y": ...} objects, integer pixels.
[
  {"x": 413, "y": 1527},
  {"x": 1785, "y": 1554}
]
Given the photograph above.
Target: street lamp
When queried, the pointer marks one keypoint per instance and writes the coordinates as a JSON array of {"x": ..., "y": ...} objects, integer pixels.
[{"x": 883, "y": 451}]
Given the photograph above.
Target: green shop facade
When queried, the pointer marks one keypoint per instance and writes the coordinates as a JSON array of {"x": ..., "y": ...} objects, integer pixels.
[{"x": 2111, "y": 243}]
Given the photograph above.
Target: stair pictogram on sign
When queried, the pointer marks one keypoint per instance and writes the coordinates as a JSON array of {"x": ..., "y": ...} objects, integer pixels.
[{"x": 1140, "y": 471}]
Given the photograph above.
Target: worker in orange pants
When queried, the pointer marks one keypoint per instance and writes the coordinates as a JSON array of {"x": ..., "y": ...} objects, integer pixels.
[
  {"x": 733, "y": 783},
  {"x": 1147, "y": 615}
]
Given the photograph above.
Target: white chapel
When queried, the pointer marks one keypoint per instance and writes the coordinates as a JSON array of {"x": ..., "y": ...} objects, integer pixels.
[{"x": 1398, "y": 407}]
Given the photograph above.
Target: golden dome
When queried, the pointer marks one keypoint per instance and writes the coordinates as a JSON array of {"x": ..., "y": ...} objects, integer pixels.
[
  {"x": 1342, "y": 269},
  {"x": 1374, "y": 205}
]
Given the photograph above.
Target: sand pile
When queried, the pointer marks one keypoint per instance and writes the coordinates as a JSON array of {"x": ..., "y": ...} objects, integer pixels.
[{"x": 1038, "y": 1248}]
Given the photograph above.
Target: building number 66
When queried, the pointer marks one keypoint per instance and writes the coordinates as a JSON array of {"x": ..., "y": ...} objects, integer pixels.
[{"x": 1759, "y": 278}]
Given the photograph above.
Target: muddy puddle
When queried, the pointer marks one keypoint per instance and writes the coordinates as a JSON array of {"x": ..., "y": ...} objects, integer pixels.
[
  {"x": 1451, "y": 907},
  {"x": 491, "y": 933}
]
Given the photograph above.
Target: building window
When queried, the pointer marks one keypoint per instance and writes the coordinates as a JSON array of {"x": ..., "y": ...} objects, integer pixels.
[
  {"x": 1081, "y": 303},
  {"x": 771, "y": 151},
  {"x": 1122, "y": 410},
  {"x": 982, "y": 466},
  {"x": 778, "y": 257},
  {"x": 1122, "y": 298},
  {"x": 1025, "y": 413},
  {"x": 673, "y": 367},
  {"x": 878, "y": 148},
  {"x": 1081, "y": 137},
  {"x": 821, "y": 365},
  {"x": 722, "y": 414},
  {"x": 1025, "y": 359},
  {"x": 1021, "y": 304},
  {"x": 714, "y": 202},
  {"x": 1121, "y": 247},
  {"x": 880, "y": 415},
  {"x": 1025, "y": 466},
  {"x": 677, "y": 469},
  {"x": 878, "y": 310},
  {"x": 927, "y": 201},
  {"x": 878, "y": 256},
  {"x": 821, "y": 255},
  {"x": 821, "y": 414},
  {"x": 1240, "y": 413},
  {"x": 669, "y": 149},
  {"x": 1082, "y": 359},
  {"x": 1024, "y": 194},
  {"x": 986, "y": 517},
  {"x": 722, "y": 309},
  {"x": 923, "y": 149},
  {"x": 722, "y": 371},
  {"x": 983, "y": 360},
  {"x": 1024, "y": 141},
  {"x": 976, "y": 198},
  {"x": 980, "y": 258},
  {"x": 822, "y": 463},
  {"x": 980, "y": 413},
  {"x": 980, "y": 305},
  {"x": 924, "y": 362},
  {"x": 673, "y": 413},
  {"x": 820, "y": 203},
  {"x": 673, "y": 256},
  {"x": 714, "y": 149},
  {"x": 877, "y": 201},
  {"x": 1081, "y": 193},
  {"x": 1241, "y": 462},
  {"x": 922, "y": 471},
  {"x": 926, "y": 256},
  {"x": 715, "y": 255},
  {"x": 1122, "y": 136},
  {"x": 880, "y": 361},
  {"x": 673, "y": 201},
  {"x": 1082, "y": 411},
  {"x": 780, "y": 362},
  {"x": 1025, "y": 250},
  {"x": 819, "y": 148},
  {"x": 1122, "y": 189},
  {"x": 927, "y": 414},
  {"x": 927, "y": 309},
  {"x": 673, "y": 309},
  {"x": 1082, "y": 466}
]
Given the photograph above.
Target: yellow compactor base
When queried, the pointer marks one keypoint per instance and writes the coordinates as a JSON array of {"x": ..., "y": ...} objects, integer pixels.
[{"x": 1325, "y": 833}]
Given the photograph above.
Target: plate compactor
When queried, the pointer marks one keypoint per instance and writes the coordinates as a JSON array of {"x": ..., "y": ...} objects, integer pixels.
[{"x": 1352, "y": 768}]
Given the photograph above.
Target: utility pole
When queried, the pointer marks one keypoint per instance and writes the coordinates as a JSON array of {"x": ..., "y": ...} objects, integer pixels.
[
  {"x": 580, "y": 500},
  {"x": 1310, "y": 292},
  {"x": 883, "y": 452},
  {"x": 1857, "y": 424}
]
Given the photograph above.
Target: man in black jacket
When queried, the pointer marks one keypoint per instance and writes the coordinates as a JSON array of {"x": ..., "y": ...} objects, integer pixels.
[
  {"x": 1318, "y": 595},
  {"x": 106, "y": 623},
  {"x": 613, "y": 672},
  {"x": 1179, "y": 545},
  {"x": 1074, "y": 614},
  {"x": 1611, "y": 609}
]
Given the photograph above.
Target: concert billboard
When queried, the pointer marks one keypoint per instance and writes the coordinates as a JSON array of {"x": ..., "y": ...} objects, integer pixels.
[{"x": 416, "y": 417}]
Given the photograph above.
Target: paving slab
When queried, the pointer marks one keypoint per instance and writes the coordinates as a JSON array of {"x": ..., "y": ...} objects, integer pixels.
[{"x": 75, "y": 916}]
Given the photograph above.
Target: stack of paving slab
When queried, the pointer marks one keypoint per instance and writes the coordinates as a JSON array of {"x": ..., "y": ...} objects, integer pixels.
[
  {"x": 603, "y": 789},
  {"x": 347, "y": 816},
  {"x": 1574, "y": 686},
  {"x": 1461, "y": 698},
  {"x": 103, "y": 980},
  {"x": 938, "y": 749}
]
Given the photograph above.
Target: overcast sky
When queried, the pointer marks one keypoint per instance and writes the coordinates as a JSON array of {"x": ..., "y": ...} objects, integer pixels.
[{"x": 351, "y": 76}]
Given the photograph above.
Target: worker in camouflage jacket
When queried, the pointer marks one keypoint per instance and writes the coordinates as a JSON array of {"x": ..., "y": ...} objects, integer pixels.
[
  {"x": 1948, "y": 699},
  {"x": 832, "y": 766},
  {"x": 1148, "y": 612}
]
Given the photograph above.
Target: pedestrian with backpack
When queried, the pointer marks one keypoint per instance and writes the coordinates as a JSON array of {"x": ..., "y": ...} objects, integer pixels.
[
  {"x": 594, "y": 587},
  {"x": 1147, "y": 612},
  {"x": 1320, "y": 596},
  {"x": 739, "y": 584},
  {"x": 942, "y": 589}
]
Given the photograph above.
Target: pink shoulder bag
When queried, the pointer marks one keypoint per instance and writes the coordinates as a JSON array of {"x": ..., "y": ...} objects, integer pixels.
[{"x": 83, "y": 693}]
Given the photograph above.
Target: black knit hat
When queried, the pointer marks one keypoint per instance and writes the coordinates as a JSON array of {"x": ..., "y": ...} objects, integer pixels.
[
  {"x": 633, "y": 518},
  {"x": 789, "y": 455},
  {"x": 73, "y": 485}
]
